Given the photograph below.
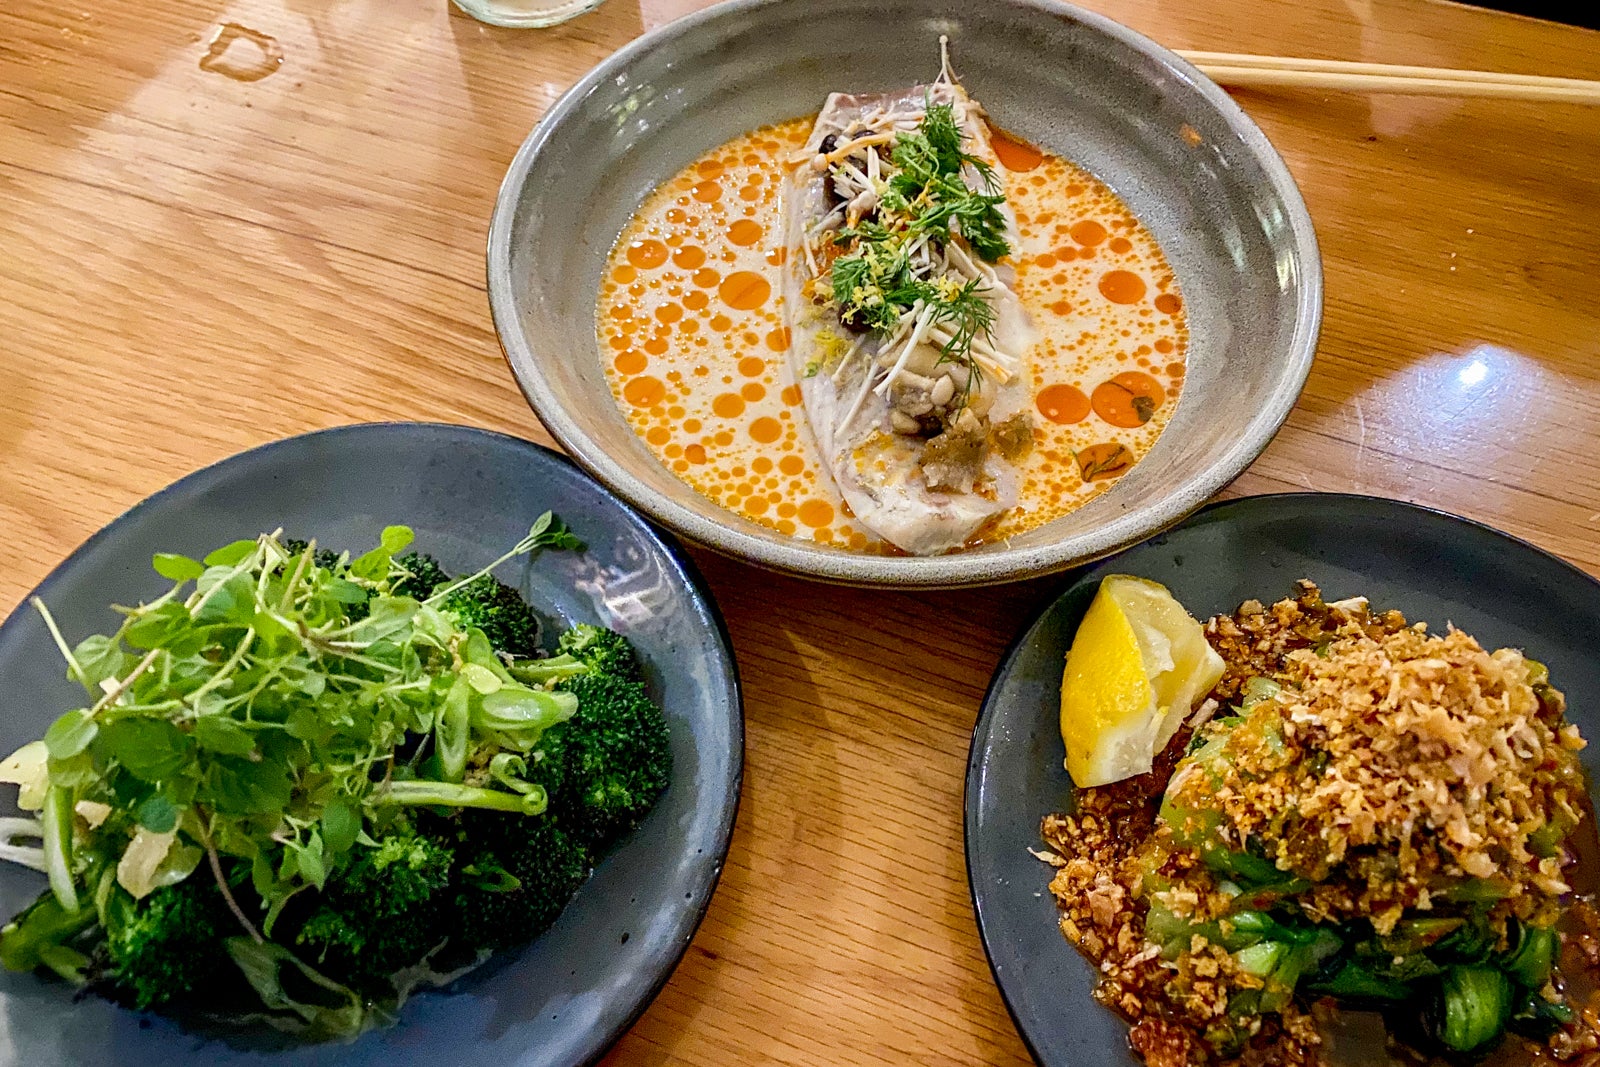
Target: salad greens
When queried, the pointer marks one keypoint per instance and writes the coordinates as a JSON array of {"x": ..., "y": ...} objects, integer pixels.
[{"x": 301, "y": 782}]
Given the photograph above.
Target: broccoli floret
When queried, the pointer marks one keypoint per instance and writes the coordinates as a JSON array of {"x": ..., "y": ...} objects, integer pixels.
[
  {"x": 322, "y": 557},
  {"x": 379, "y": 914},
  {"x": 165, "y": 947},
  {"x": 606, "y": 766},
  {"x": 426, "y": 576},
  {"x": 514, "y": 878},
  {"x": 584, "y": 649},
  {"x": 485, "y": 602},
  {"x": 606, "y": 651}
]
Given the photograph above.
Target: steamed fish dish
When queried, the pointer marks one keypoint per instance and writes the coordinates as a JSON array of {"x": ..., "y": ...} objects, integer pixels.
[
  {"x": 908, "y": 337},
  {"x": 892, "y": 327},
  {"x": 1366, "y": 844}
]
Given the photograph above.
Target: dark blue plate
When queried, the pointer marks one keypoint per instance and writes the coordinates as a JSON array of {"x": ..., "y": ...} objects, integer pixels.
[
  {"x": 1435, "y": 568},
  {"x": 469, "y": 495}
]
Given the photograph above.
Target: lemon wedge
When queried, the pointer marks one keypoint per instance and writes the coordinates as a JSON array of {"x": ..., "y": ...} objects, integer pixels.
[{"x": 1137, "y": 666}]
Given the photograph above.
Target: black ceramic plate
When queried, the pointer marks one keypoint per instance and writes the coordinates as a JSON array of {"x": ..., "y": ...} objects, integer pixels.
[
  {"x": 469, "y": 495},
  {"x": 1433, "y": 567}
]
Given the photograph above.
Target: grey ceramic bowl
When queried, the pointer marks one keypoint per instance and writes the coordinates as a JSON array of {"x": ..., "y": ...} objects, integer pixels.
[
  {"x": 469, "y": 494},
  {"x": 1172, "y": 144}
]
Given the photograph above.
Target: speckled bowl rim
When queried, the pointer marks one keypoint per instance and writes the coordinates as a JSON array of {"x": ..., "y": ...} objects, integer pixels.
[{"x": 935, "y": 572}]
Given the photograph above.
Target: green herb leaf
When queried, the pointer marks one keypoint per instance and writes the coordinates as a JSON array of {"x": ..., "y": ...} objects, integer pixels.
[
  {"x": 222, "y": 734},
  {"x": 152, "y": 750},
  {"x": 340, "y": 826},
  {"x": 312, "y": 869},
  {"x": 233, "y": 601},
  {"x": 347, "y": 592},
  {"x": 231, "y": 555},
  {"x": 157, "y": 627},
  {"x": 396, "y": 539},
  {"x": 100, "y": 657},
  {"x": 241, "y": 787},
  {"x": 70, "y": 734},
  {"x": 157, "y": 814},
  {"x": 177, "y": 568}
]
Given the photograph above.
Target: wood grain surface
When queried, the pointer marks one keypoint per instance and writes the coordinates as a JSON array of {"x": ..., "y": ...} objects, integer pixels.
[{"x": 191, "y": 265}]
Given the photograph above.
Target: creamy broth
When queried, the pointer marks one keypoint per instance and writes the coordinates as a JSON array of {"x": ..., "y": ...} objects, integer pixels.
[{"x": 691, "y": 329}]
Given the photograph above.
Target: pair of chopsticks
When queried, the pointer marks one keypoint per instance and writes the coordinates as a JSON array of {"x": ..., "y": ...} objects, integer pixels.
[{"x": 1230, "y": 68}]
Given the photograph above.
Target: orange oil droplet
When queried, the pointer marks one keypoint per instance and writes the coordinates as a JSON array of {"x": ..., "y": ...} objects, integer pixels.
[
  {"x": 656, "y": 346},
  {"x": 1064, "y": 404},
  {"x": 1102, "y": 461},
  {"x": 1061, "y": 307},
  {"x": 1120, "y": 245},
  {"x": 705, "y": 278},
  {"x": 745, "y": 232},
  {"x": 694, "y": 453},
  {"x": 750, "y": 192},
  {"x": 1175, "y": 370},
  {"x": 762, "y": 464},
  {"x": 1129, "y": 399},
  {"x": 706, "y": 192},
  {"x": 645, "y": 391},
  {"x": 1122, "y": 287},
  {"x": 695, "y": 300},
  {"x": 630, "y": 362},
  {"x": 1014, "y": 153},
  {"x": 766, "y": 430},
  {"x": 744, "y": 290},
  {"x": 751, "y": 366},
  {"x": 728, "y": 405},
  {"x": 1046, "y": 261},
  {"x": 1168, "y": 304},
  {"x": 756, "y": 505},
  {"x": 791, "y": 395},
  {"x": 1163, "y": 345},
  {"x": 669, "y": 313},
  {"x": 708, "y": 168},
  {"x": 786, "y": 527},
  {"x": 624, "y": 273},
  {"x": 753, "y": 391},
  {"x": 791, "y": 465},
  {"x": 647, "y": 253},
  {"x": 691, "y": 425},
  {"x": 721, "y": 323},
  {"x": 689, "y": 257},
  {"x": 658, "y": 435},
  {"x": 816, "y": 513},
  {"x": 777, "y": 257},
  {"x": 1088, "y": 232},
  {"x": 778, "y": 340}
]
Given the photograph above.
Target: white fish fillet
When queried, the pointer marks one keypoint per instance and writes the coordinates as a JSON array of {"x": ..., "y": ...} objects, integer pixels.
[{"x": 877, "y": 465}]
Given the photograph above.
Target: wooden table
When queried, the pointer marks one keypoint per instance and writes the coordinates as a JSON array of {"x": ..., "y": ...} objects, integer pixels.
[{"x": 192, "y": 265}]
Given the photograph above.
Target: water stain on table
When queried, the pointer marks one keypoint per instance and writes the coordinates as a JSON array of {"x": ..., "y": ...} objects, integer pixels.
[{"x": 258, "y": 55}]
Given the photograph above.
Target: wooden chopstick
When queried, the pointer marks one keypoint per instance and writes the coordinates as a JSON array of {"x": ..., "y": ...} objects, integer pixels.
[{"x": 1237, "y": 69}]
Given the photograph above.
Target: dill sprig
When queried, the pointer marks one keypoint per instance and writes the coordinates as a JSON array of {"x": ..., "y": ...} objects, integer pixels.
[{"x": 926, "y": 197}]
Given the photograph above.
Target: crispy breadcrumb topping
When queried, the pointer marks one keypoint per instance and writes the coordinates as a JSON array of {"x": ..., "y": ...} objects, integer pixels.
[{"x": 1379, "y": 774}]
